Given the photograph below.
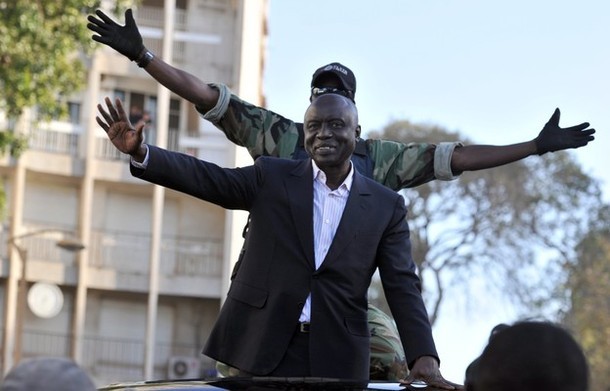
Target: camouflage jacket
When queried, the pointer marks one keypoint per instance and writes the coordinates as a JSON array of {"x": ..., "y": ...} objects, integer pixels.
[{"x": 265, "y": 133}]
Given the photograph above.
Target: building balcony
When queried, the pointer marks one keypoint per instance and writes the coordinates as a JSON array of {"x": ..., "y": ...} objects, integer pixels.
[
  {"x": 188, "y": 266},
  {"x": 110, "y": 360},
  {"x": 58, "y": 152},
  {"x": 120, "y": 261},
  {"x": 151, "y": 23}
]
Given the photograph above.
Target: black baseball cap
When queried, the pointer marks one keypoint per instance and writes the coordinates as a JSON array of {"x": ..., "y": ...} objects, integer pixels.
[{"x": 344, "y": 74}]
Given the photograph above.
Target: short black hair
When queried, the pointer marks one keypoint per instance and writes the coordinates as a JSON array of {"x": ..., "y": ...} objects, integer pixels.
[{"x": 530, "y": 355}]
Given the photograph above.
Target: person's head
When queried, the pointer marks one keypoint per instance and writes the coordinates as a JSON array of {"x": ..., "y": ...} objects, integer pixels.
[
  {"x": 331, "y": 128},
  {"x": 471, "y": 368},
  {"x": 49, "y": 374},
  {"x": 530, "y": 356},
  {"x": 333, "y": 78}
]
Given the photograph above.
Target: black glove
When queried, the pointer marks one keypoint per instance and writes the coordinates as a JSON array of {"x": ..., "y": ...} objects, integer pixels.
[
  {"x": 124, "y": 39},
  {"x": 553, "y": 138}
]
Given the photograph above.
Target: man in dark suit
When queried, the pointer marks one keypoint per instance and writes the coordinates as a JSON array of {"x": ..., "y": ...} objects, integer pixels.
[{"x": 318, "y": 232}]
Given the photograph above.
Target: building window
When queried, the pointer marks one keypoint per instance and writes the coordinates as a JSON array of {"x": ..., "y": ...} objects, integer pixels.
[
  {"x": 74, "y": 112},
  {"x": 174, "y": 114},
  {"x": 141, "y": 106}
]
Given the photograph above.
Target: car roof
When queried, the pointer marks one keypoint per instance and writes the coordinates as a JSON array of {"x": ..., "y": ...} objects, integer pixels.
[{"x": 255, "y": 383}]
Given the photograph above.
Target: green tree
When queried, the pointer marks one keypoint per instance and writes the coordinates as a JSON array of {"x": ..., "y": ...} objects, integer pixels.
[
  {"x": 42, "y": 43},
  {"x": 515, "y": 225},
  {"x": 588, "y": 288}
]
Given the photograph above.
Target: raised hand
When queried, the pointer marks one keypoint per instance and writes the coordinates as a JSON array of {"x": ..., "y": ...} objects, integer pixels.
[
  {"x": 121, "y": 133},
  {"x": 553, "y": 138},
  {"x": 126, "y": 40}
]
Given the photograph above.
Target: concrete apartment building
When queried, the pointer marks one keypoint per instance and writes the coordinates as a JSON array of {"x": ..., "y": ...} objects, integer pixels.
[{"x": 138, "y": 301}]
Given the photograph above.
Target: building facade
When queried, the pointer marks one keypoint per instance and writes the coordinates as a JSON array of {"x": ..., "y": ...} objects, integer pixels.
[{"x": 137, "y": 296}]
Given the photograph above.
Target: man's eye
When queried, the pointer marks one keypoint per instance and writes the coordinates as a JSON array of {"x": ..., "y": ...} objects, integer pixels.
[{"x": 336, "y": 124}]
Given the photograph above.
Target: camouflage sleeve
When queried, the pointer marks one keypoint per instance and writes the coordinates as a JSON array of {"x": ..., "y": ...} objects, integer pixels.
[
  {"x": 262, "y": 132},
  {"x": 399, "y": 165},
  {"x": 388, "y": 361}
]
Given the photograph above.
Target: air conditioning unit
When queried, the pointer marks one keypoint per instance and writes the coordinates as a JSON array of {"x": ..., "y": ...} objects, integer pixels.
[{"x": 183, "y": 367}]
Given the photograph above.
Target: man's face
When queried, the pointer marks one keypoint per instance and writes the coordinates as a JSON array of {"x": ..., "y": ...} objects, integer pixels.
[{"x": 330, "y": 128}]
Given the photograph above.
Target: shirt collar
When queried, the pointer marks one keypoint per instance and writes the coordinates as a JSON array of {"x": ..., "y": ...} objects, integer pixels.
[{"x": 320, "y": 175}]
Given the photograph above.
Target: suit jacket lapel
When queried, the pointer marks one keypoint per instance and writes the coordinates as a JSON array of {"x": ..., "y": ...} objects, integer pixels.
[
  {"x": 354, "y": 216},
  {"x": 299, "y": 187}
]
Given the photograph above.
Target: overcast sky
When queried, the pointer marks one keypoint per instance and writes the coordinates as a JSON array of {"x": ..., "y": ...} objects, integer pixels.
[{"x": 494, "y": 71}]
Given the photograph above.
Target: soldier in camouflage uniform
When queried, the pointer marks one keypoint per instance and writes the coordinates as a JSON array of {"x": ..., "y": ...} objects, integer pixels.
[
  {"x": 265, "y": 133},
  {"x": 393, "y": 164}
]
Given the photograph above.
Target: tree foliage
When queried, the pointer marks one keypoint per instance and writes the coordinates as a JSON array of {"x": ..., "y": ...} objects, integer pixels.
[
  {"x": 41, "y": 48},
  {"x": 588, "y": 312},
  {"x": 39, "y": 63},
  {"x": 515, "y": 226},
  {"x": 42, "y": 43},
  {"x": 39, "y": 45}
]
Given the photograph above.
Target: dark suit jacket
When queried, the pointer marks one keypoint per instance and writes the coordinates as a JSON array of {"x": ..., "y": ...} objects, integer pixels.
[{"x": 277, "y": 273}]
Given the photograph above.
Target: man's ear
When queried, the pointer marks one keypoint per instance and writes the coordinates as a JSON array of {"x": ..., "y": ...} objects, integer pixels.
[{"x": 358, "y": 131}]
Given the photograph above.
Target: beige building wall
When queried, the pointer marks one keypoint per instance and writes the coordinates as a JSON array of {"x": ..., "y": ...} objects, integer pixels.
[{"x": 123, "y": 315}]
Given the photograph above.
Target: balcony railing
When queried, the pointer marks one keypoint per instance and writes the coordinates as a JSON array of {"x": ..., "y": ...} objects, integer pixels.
[
  {"x": 40, "y": 247},
  {"x": 156, "y": 46},
  {"x": 67, "y": 143},
  {"x": 128, "y": 252},
  {"x": 45, "y": 344},
  {"x": 106, "y": 151},
  {"x": 114, "y": 359},
  {"x": 153, "y": 17},
  {"x": 181, "y": 256},
  {"x": 54, "y": 141}
]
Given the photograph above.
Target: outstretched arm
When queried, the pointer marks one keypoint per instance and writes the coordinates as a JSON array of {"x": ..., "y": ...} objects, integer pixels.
[
  {"x": 551, "y": 138},
  {"x": 263, "y": 132},
  {"x": 480, "y": 157},
  {"x": 127, "y": 40}
]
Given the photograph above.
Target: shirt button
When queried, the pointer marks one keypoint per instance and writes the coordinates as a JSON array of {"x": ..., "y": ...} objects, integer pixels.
[{"x": 327, "y": 221}]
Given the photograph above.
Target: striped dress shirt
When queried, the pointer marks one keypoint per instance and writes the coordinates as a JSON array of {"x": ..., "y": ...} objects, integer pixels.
[{"x": 328, "y": 206}]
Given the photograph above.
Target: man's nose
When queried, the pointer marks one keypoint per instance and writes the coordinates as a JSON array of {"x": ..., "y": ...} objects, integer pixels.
[{"x": 325, "y": 132}]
